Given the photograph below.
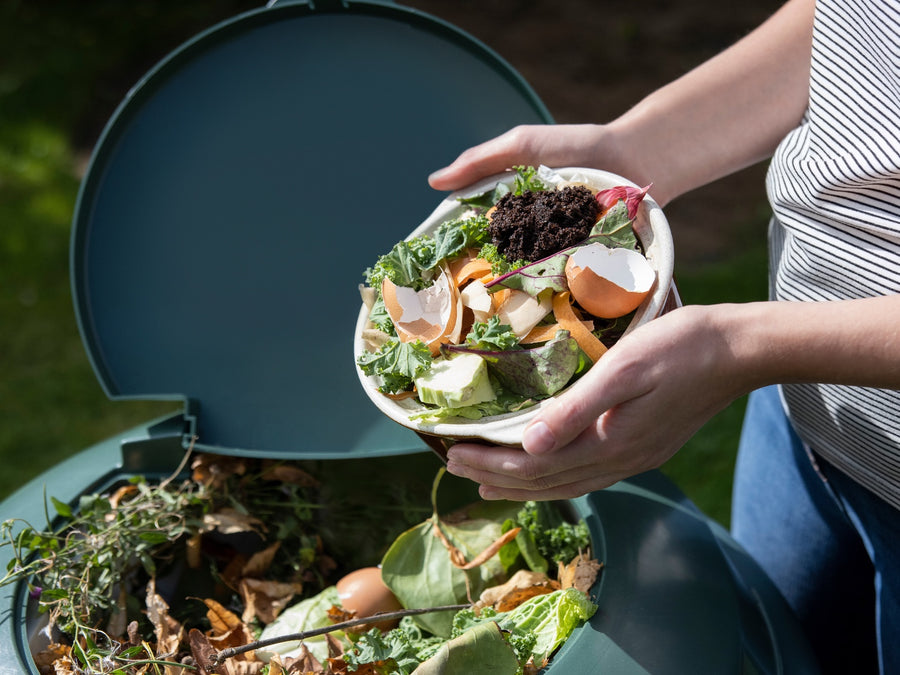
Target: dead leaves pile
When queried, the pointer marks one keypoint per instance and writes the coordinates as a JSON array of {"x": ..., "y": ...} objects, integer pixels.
[{"x": 175, "y": 648}]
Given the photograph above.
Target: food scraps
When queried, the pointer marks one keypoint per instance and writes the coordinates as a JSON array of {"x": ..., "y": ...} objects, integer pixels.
[
  {"x": 211, "y": 573},
  {"x": 534, "y": 280}
]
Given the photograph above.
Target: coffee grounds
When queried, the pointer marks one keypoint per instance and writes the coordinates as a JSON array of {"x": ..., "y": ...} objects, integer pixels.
[{"x": 534, "y": 225}]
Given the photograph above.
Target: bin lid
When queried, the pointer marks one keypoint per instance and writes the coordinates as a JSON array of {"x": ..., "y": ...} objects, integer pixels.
[{"x": 237, "y": 195}]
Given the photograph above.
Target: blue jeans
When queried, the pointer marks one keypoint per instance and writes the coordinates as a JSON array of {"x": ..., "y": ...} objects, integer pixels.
[{"x": 830, "y": 545}]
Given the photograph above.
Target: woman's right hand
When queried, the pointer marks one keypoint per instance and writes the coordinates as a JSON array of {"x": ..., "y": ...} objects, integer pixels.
[{"x": 586, "y": 145}]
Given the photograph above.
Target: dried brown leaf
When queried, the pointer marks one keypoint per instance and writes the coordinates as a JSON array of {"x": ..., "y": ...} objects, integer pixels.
[
  {"x": 335, "y": 646},
  {"x": 55, "y": 651},
  {"x": 233, "y": 667},
  {"x": 580, "y": 574},
  {"x": 239, "y": 637},
  {"x": 65, "y": 666},
  {"x": 288, "y": 474},
  {"x": 521, "y": 586},
  {"x": 339, "y": 614},
  {"x": 260, "y": 561},
  {"x": 221, "y": 619},
  {"x": 266, "y": 599},
  {"x": 230, "y": 521},
  {"x": 304, "y": 663},
  {"x": 214, "y": 470},
  {"x": 203, "y": 652},
  {"x": 169, "y": 632},
  {"x": 276, "y": 667},
  {"x": 231, "y": 575}
]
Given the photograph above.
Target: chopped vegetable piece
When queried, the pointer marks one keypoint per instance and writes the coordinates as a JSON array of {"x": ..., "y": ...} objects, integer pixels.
[
  {"x": 588, "y": 342},
  {"x": 456, "y": 382}
]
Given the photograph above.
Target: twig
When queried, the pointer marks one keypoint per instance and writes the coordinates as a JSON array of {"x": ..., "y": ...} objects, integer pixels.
[{"x": 221, "y": 656}]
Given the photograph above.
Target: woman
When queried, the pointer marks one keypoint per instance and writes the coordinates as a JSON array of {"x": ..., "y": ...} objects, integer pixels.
[{"x": 817, "y": 488}]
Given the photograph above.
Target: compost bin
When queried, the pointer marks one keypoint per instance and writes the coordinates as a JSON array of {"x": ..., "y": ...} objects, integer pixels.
[{"x": 227, "y": 213}]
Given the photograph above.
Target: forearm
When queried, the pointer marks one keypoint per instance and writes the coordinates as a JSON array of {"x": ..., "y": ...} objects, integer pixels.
[
  {"x": 724, "y": 115},
  {"x": 851, "y": 342}
]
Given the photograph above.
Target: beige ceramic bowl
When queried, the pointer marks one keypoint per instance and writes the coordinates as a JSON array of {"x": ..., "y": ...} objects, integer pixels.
[{"x": 651, "y": 228}]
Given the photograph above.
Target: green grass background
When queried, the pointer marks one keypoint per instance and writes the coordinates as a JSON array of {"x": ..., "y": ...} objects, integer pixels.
[{"x": 57, "y": 89}]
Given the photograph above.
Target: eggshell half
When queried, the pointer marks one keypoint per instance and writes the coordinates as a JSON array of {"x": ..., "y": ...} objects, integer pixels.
[
  {"x": 432, "y": 315},
  {"x": 363, "y": 591},
  {"x": 609, "y": 282}
]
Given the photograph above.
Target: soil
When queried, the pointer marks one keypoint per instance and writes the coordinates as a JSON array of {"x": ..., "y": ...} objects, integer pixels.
[{"x": 589, "y": 61}]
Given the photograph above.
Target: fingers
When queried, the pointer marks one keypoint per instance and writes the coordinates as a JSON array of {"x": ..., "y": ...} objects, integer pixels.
[
  {"x": 486, "y": 159},
  {"x": 507, "y": 473},
  {"x": 524, "y": 145}
]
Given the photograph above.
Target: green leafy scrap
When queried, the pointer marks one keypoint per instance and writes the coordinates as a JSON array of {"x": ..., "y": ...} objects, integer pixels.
[
  {"x": 614, "y": 229},
  {"x": 492, "y": 335},
  {"x": 527, "y": 180},
  {"x": 555, "y": 538},
  {"x": 500, "y": 264},
  {"x": 391, "y": 653},
  {"x": 414, "y": 262},
  {"x": 397, "y": 363}
]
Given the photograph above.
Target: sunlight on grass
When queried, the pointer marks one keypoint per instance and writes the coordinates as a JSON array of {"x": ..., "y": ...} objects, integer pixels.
[{"x": 52, "y": 405}]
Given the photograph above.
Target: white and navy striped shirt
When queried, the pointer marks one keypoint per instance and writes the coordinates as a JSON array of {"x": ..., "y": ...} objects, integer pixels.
[{"x": 834, "y": 186}]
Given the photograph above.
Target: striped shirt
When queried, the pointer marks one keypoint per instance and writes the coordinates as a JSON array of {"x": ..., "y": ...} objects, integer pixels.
[{"x": 834, "y": 186}]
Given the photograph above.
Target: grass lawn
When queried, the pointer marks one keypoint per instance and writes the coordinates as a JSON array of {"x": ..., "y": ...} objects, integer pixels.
[{"x": 55, "y": 93}]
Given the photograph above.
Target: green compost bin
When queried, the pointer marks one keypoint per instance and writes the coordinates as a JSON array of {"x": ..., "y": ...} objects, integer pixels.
[{"x": 240, "y": 189}]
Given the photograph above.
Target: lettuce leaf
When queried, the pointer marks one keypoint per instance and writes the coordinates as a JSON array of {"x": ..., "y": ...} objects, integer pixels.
[
  {"x": 483, "y": 650},
  {"x": 303, "y": 616},
  {"x": 418, "y": 570},
  {"x": 538, "y": 372},
  {"x": 549, "y": 618}
]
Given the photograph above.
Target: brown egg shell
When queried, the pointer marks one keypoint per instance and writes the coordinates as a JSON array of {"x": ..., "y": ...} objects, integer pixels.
[
  {"x": 599, "y": 295},
  {"x": 363, "y": 591}
]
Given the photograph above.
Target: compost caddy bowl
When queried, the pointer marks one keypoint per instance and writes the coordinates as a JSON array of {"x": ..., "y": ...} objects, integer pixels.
[
  {"x": 228, "y": 208},
  {"x": 651, "y": 228}
]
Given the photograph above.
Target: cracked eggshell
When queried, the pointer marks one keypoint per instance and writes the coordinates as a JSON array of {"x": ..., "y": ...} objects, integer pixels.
[
  {"x": 652, "y": 230},
  {"x": 609, "y": 282},
  {"x": 475, "y": 296},
  {"x": 432, "y": 315}
]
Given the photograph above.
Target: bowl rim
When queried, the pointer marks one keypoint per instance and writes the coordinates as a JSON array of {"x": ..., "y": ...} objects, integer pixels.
[{"x": 651, "y": 228}]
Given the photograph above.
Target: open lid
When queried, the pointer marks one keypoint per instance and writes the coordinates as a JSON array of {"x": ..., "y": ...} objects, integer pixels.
[{"x": 238, "y": 194}]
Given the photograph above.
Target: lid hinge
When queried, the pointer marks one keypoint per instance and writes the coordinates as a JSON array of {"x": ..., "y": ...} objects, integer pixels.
[{"x": 163, "y": 445}]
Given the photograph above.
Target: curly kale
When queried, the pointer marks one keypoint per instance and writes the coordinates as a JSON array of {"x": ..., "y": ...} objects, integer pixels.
[
  {"x": 397, "y": 363},
  {"x": 556, "y": 539}
]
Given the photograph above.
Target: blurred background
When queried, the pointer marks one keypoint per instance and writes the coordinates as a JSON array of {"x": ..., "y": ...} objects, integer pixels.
[{"x": 65, "y": 65}]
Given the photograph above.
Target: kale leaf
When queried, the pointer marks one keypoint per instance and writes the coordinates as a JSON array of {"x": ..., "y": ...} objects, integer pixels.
[{"x": 397, "y": 363}]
